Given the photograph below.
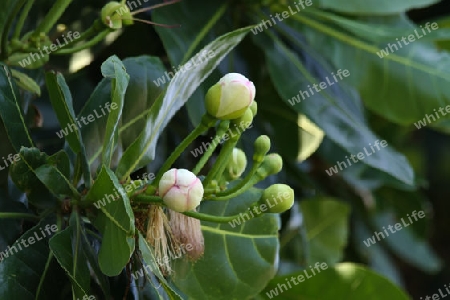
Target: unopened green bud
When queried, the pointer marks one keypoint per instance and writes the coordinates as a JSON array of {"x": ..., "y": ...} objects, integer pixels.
[
  {"x": 180, "y": 190},
  {"x": 272, "y": 164},
  {"x": 245, "y": 120},
  {"x": 236, "y": 165},
  {"x": 230, "y": 97},
  {"x": 278, "y": 198},
  {"x": 262, "y": 146},
  {"x": 254, "y": 108},
  {"x": 115, "y": 14}
]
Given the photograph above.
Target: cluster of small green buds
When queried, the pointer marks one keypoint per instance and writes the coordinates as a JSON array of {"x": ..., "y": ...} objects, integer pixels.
[
  {"x": 115, "y": 14},
  {"x": 180, "y": 190},
  {"x": 281, "y": 197},
  {"x": 230, "y": 97}
]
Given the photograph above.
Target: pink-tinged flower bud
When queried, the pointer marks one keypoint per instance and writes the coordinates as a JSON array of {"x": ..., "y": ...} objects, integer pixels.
[
  {"x": 181, "y": 190},
  {"x": 230, "y": 97}
]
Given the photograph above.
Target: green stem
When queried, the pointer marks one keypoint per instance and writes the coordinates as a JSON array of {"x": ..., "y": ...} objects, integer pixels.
[
  {"x": 207, "y": 122},
  {"x": 52, "y": 17},
  {"x": 243, "y": 182},
  {"x": 22, "y": 18},
  {"x": 11, "y": 215},
  {"x": 95, "y": 29},
  {"x": 200, "y": 36},
  {"x": 222, "y": 160},
  {"x": 247, "y": 184},
  {"x": 216, "y": 219},
  {"x": 148, "y": 199},
  {"x": 86, "y": 45},
  {"x": 4, "y": 42},
  {"x": 223, "y": 127}
]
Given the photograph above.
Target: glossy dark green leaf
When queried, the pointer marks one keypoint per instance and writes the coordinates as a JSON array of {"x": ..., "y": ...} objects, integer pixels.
[
  {"x": 340, "y": 117},
  {"x": 11, "y": 111},
  {"x": 113, "y": 68},
  {"x": 142, "y": 151},
  {"x": 115, "y": 220},
  {"x": 326, "y": 222},
  {"x": 66, "y": 246},
  {"x": 241, "y": 256},
  {"x": 61, "y": 100},
  {"x": 344, "y": 281}
]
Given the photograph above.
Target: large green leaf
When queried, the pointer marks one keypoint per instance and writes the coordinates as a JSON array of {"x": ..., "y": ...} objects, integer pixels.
[
  {"x": 241, "y": 257},
  {"x": 113, "y": 68},
  {"x": 23, "y": 269},
  {"x": 115, "y": 220},
  {"x": 142, "y": 151},
  {"x": 336, "y": 110},
  {"x": 405, "y": 243},
  {"x": 326, "y": 224},
  {"x": 405, "y": 75},
  {"x": 11, "y": 111},
  {"x": 344, "y": 281},
  {"x": 374, "y": 7}
]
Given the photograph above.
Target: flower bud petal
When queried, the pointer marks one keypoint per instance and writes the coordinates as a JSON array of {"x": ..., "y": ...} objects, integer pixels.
[
  {"x": 230, "y": 97},
  {"x": 181, "y": 190},
  {"x": 278, "y": 197}
]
